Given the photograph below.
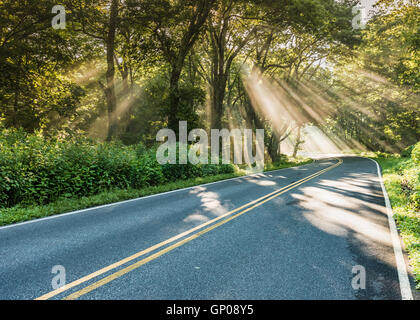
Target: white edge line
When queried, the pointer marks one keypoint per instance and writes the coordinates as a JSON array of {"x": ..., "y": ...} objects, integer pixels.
[
  {"x": 405, "y": 287},
  {"x": 58, "y": 215}
]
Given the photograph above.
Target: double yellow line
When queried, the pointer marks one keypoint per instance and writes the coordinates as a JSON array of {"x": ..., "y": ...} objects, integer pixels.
[{"x": 242, "y": 209}]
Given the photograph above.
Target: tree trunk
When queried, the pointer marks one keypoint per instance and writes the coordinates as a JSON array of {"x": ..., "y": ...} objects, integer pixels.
[
  {"x": 111, "y": 98},
  {"x": 177, "y": 57},
  {"x": 174, "y": 98},
  {"x": 124, "y": 76},
  {"x": 277, "y": 137},
  {"x": 16, "y": 97},
  {"x": 218, "y": 95},
  {"x": 298, "y": 142},
  {"x": 273, "y": 148}
]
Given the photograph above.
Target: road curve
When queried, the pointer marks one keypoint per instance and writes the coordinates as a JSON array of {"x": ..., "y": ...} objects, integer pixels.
[{"x": 299, "y": 233}]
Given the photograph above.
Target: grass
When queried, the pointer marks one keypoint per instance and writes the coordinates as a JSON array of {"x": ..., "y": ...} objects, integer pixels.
[
  {"x": 21, "y": 213},
  {"x": 401, "y": 178}
]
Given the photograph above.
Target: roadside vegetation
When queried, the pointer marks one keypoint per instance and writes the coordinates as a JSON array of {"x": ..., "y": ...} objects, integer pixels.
[
  {"x": 401, "y": 175},
  {"x": 43, "y": 176}
]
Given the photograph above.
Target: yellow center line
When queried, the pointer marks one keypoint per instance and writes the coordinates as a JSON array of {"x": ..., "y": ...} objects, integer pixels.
[{"x": 163, "y": 251}]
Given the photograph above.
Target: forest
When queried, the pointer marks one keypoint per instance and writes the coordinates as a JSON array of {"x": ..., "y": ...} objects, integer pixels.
[
  {"x": 86, "y": 85},
  {"x": 121, "y": 70}
]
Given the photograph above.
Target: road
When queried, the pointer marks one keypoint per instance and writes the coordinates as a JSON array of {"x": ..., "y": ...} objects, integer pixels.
[{"x": 307, "y": 232}]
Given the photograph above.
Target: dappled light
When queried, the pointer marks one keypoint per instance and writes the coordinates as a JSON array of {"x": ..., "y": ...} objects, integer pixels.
[
  {"x": 331, "y": 216},
  {"x": 284, "y": 109}
]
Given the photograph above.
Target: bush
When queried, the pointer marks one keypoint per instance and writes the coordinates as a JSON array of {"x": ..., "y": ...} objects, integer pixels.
[
  {"x": 415, "y": 153},
  {"x": 410, "y": 181},
  {"x": 406, "y": 153},
  {"x": 36, "y": 170},
  {"x": 415, "y": 199},
  {"x": 173, "y": 172}
]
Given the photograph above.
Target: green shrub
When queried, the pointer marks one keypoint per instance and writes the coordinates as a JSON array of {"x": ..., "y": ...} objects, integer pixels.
[
  {"x": 406, "y": 153},
  {"x": 173, "y": 172},
  {"x": 415, "y": 200},
  {"x": 36, "y": 170},
  {"x": 150, "y": 171},
  {"x": 415, "y": 153}
]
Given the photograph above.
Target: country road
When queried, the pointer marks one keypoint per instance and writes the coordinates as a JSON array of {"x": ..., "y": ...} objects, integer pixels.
[{"x": 294, "y": 233}]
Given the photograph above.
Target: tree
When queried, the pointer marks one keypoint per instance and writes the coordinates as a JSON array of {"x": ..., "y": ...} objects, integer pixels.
[
  {"x": 379, "y": 107},
  {"x": 99, "y": 19},
  {"x": 110, "y": 72},
  {"x": 174, "y": 27},
  {"x": 293, "y": 40},
  {"x": 391, "y": 43},
  {"x": 32, "y": 55},
  {"x": 228, "y": 33}
]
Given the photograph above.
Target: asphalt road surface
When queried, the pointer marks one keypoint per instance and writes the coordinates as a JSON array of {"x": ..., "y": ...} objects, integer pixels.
[{"x": 307, "y": 232}]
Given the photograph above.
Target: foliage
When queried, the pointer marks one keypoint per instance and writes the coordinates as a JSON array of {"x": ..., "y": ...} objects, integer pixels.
[
  {"x": 406, "y": 153},
  {"x": 402, "y": 180},
  {"x": 36, "y": 170},
  {"x": 35, "y": 93},
  {"x": 415, "y": 153},
  {"x": 23, "y": 212},
  {"x": 374, "y": 95},
  {"x": 392, "y": 42}
]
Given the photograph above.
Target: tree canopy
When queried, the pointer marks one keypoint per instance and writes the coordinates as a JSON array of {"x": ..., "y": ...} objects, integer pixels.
[{"x": 123, "y": 69}]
